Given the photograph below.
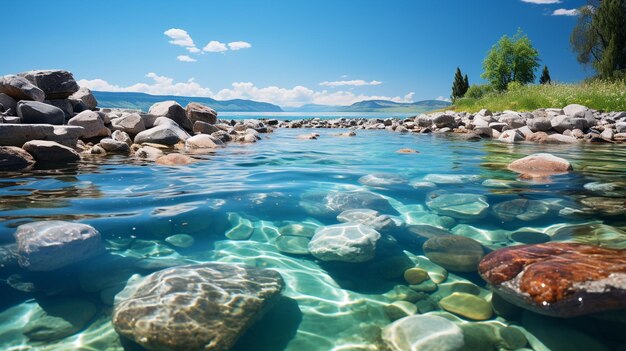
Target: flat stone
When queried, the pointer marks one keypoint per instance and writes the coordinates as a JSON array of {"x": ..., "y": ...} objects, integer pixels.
[
  {"x": 50, "y": 151},
  {"x": 49, "y": 245},
  {"x": 114, "y": 146},
  {"x": 18, "y": 134},
  {"x": 540, "y": 165},
  {"x": 203, "y": 141},
  {"x": 462, "y": 206},
  {"x": 467, "y": 305},
  {"x": 197, "y": 307},
  {"x": 454, "y": 252},
  {"x": 180, "y": 240},
  {"x": 131, "y": 123},
  {"x": 344, "y": 242},
  {"x": 92, "y": 123},
  {"x": 383, "y": 180},
  {"x": 298, "y": 229},
  {"x": 241, "y": 228},
  {"x": 165, "y": 132},
  {"x": 333, "y": 203},
  {"x": 12, "y": 157},
  {"x": 204, "y": 128},
  {"x": 148, "y": 153},
  {"x": 451, "y": 178},
  {"x": 416, "y": 333},
  {"x": 400, "y": 309},
  {"x": 558, "y": 279}
]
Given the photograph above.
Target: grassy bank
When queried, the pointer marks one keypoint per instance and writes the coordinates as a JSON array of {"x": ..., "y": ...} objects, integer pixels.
[{"x": 598, "y": 95}]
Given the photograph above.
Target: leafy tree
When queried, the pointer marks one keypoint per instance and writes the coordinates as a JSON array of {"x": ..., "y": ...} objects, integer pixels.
[
  {"x": 599, "y": 37},
  {"x": 545, "y": 76},
  {"x": 459, "y": 86},
  {"x": 511, "y": 60}
]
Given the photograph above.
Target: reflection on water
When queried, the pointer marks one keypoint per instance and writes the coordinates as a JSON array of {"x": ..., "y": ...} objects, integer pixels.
[{"x": 236, "y": 203}]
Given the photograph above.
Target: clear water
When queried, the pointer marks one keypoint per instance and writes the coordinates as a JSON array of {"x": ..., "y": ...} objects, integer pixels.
[{"x": 136, "y": 205}]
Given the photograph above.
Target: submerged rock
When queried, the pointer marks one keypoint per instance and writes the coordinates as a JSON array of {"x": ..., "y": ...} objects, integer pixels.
[
  {"x": 521, "y": 209},
  {"x": 454, "y": 252},
  {"x": 416, "y": 333},
  {"x": 467, "y": 305},
  {"x": 369, "y": 218},
  {"x": 180, "y": 240},
  {"x": 558, "y": 279},
  {"x": 462, "y": 206},
  {"x": 241, "y": 229},
  {"x": 49, "y": 245},
  {"x": 198, "y": 307},
  {"x": 333, "y": 203},
  {"x": 451, "y": 178},
  {"x": 344, "y": 242},
  {"x": 174, "y": 160},
  {"x": 383, "y": 180},
  {"x": 293, "y": 244},
  {"x": 58, "y": 318},
  {"x": 540, "y": 165}
]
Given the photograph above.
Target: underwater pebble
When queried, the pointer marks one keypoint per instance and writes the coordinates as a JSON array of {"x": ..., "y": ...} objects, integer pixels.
[
  {"x": 291, "y": 244},
  {"x": 180, "y": 240},
  {"x": 454, "y": 252},
  {"x": 415, "y": 276},
  {"x": 58, "y": 318},
  {"x": 400, "y": 309},
  {"x": 467, "y": 305},
  {"x": 242, "y": 228},
  {"x": 416, "y": 333}
]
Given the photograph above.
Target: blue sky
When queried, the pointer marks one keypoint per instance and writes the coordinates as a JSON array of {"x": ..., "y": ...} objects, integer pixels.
[{"x": 285, "y": 52}]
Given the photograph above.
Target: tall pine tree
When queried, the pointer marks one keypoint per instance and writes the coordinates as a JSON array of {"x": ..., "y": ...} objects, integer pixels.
[
  {"x": 458, "y": 86},
  {"x": 545, "y": 76},
  {"x": 465, "y": 84}
]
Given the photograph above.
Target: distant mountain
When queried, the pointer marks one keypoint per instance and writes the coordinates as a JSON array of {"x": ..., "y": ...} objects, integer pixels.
[
  {"x": 376, "y": 106},
  {"x": 141, "y": 101}
]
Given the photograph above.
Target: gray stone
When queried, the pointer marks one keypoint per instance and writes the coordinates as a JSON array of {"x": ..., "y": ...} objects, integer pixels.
[
  {"x": 64, "y": 104},
  {"x": 149, "y": 153},
  {"x": 20, "y": 89},
  {"x": 56, "y": 84},
  {"x": 561, "y": 139},
  {"x": 114, "y": 146},
  {"x": 333, "y": 203},
  {"x": 521, "y": 209},
  {"x": 84, "y": 97},
  {"x": 180, "y": 240},
  {"x": 575, "y": 110},
  {"x": 444, "y": 120},
  {"x": 200, "y": 127},
  {"x": 50, "y": 151},
  {"x": 165, "y": 132},
  {"x": 50, "y": 245},
  {"x": 66, "y": 135},
  {"x": 34, "y": 112},
  {"x": 367, "y": 217},
  {"x": 292, "y": 244},
  {"x": 198, "y": 112},
  {"x": 563, "y": 123},
  {"x": 513, "y": 120},
  {"x": 197, "y": 307},
  {"x": 620, "y": 127},
  {"x": 383, "y": 180},
  {"x": 344, "y": 242},
  {"x": 18, "y": 134},
  {"x": 423, "y": 333},
  {"x": 173, "y": 111},
  {"x": 539, "y": 124},
  {"x": 119, "y": 135},
  {"x": 131, "y": 123},
  {"x": 511, "y": 136},
  {"x": 8, "y": 103},
  {"x": 12, "y": 157},
  {"x": 93, "y": 124}
]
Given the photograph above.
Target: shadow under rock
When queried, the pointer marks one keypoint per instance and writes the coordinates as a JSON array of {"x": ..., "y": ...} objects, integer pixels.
[{"x": 274, "y": 330}]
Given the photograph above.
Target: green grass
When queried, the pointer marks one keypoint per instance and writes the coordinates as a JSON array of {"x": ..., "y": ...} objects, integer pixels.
[{"x": 598, "y": 95}]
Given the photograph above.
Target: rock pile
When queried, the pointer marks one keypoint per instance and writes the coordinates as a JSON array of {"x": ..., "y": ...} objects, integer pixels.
[
  {"x": 572, "y": 124},
  {"x": 47, "y": 114}
]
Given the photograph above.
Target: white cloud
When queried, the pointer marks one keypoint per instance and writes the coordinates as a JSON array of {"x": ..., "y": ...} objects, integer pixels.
[
  {"x": 194, "y": 50},
  {"x": 542, "y": 2},
  {"x": 160, "y": 85},
  {"x": 292, "y": 97},
  {"x": 565, "y": 12},
  {"x": 179, "y": 37},
  {"x": 215, "y": 46},
  {"x": 355, "y": 83},
  {"x": 442, "y": 98},
  {"x": 237, "y": 45},
  {"x": 185, "y": 58}
]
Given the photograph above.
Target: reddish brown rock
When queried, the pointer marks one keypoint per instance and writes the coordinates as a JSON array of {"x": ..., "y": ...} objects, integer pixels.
[
  {"x": 540, "y": 165},
  {"x": 558, "y": 279},
  {"x": 174, "y": 160}
]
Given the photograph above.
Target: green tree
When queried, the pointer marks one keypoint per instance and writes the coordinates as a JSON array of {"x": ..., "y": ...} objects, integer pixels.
[
  {"x": 545, "y": 76},
  {"x": 511, "y": 60},
  {"x": 465, "y": 84},
  {"x": 599, "y": 37},
  {"x": 459, "y": 87}
]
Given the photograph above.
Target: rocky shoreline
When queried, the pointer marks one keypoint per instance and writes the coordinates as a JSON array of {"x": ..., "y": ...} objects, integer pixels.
[{"x": 46, "y": 117}]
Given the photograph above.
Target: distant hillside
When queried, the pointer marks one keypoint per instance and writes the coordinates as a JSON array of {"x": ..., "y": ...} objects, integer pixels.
[
  {"x": 141, "y": 101},
  {"x": 376, "y": 106}
]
